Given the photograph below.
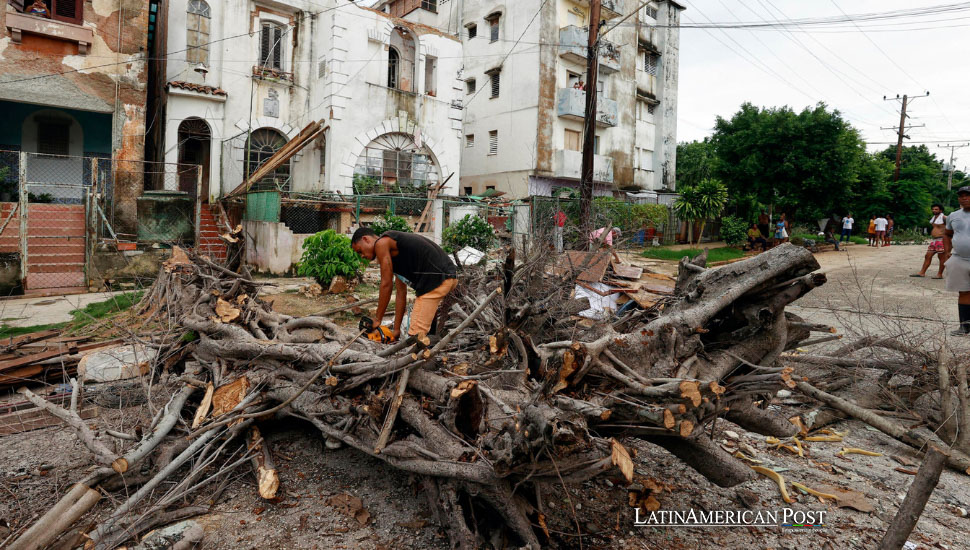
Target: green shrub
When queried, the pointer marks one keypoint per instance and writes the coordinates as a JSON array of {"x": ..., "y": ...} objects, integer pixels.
[
  {"x": 471, "y": 231},
  {"x": 327, "y": 255},
  {"x": 734, "y": 231},
  {"x": 914, "y": 236},
  {"x": 390, "y": 222},
  {"x": 366, "y": 185},
  {"x": 647, "y": 214}
]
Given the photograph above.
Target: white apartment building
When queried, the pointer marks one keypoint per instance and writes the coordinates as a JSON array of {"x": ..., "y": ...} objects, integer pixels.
[
  {"x": 242, "y": 77},
  {"x": 524, "y": 106}
]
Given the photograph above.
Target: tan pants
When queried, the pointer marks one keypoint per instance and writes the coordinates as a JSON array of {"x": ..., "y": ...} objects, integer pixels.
[{"x": 425, "y": 307}]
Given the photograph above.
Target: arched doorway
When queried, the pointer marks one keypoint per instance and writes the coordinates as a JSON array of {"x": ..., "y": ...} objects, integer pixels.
[
  {"x": 401, "y": 60},
  {"x": 394, "y": 162},
  {"x": 195, "y": 141},
  {"x": 262, "y": 144}
]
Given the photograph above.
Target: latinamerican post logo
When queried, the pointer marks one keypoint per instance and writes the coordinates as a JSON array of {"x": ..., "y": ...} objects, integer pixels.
[{"x": 786, "y": 518}]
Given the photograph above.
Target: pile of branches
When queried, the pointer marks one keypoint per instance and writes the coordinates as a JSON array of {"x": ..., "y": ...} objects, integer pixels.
[{"x": 512, "y": 390}]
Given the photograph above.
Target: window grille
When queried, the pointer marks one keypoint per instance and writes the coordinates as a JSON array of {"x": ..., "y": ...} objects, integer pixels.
[{"x": 493, "y": 142}]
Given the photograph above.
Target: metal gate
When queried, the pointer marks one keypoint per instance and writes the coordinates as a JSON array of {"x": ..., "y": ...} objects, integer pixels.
[{"x": 55, "y": 192}]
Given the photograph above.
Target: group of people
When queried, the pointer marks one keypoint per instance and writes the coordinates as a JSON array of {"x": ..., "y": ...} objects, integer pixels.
[
  {"x": 760, "y": 233},
  {"x": 879, "y": 233}
]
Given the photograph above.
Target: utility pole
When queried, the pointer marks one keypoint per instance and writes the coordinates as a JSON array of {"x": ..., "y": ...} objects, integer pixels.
[
  {"x": 901, "y": 132},
  {"x": 949, "y": 179},
  {"x": 589, "y": 127}
]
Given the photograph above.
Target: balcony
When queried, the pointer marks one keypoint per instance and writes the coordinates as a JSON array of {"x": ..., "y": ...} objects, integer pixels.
[
  {"x": 20, "y": 23},
  {"x": 569, "y": 165},
  {"x": 271, "y": 74},
  {"x": 608, "y": 8},
  {"x": 572, "y": 105},
  {"x": 573, "y": 43}
]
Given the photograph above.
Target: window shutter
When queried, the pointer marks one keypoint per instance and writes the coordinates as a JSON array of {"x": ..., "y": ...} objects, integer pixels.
[
  {"x": 277, "y": 48},
  {"x": 496, "y": 84},
  {"x": 264, "y": 41},
  {"x": 493, "y": 142},
  {"x": 69, "y": 11},
  {"x": 470, "y": 140}
]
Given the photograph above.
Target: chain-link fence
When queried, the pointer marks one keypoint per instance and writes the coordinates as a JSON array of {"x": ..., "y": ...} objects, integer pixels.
[
  {"x": 60, "y": 215},
  {"x": 641, "y": 222}
]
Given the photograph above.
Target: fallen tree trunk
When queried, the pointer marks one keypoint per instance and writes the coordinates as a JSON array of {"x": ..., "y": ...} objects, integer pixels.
[
  {"x": 516, "y": 393},
  {"x": 912, "y": 507}
]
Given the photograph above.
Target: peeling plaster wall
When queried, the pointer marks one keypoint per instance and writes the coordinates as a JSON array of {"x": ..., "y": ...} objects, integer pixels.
[
  {"x": 665, "y": 163},
  {"x": 110, "y": 78}
]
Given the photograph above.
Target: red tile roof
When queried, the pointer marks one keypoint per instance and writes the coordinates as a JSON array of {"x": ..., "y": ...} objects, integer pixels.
[{"x": 202, "y": 89}]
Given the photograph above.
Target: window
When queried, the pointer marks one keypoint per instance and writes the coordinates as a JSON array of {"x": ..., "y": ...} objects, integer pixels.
[
  {"x": 650, "y": 11},
  {"x": 430, "y": 5},
  {"x": 645, "y": 110},
  {"x": 577, "y": 17},
  {"x": 470, "y": 85},
  {"x": 472, "y": 31},
  {"x": 574, "y": 140},
  {"x": 596, "y": 145},
  {"x": 271, "y": 46},
  {"x": 394, "y": 162},
  {"x": 650, "y": 62},
  {"x": 430, "y": 75},
  {"x": 197, "y": 26},
  {"x": 264, "y": 143},
  {"x": 496, "y": 84},
  {"x": 645, "y": 159},
  {"x": 490, "y": 188},
  {"x": 53, "y": 135},
  {"x": 493, "y": 21},
  {"x": 574, "y": 80},
  {"x": 468, "y": 191},
  {"x": 493, "y": 142},
  {"x": 393, "y": 62},
  {"x": 69, "y": 11},
  {"x": 470, "y": 140},
  {"x": 651, "y": 108}
]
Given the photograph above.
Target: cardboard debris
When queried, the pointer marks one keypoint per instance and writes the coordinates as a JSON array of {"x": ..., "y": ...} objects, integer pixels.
[{"x": 595, "y": 270}]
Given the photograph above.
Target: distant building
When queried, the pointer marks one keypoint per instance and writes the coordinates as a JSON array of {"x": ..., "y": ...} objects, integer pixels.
[
  {"x": 73, "y": 83},
  {"x": 385, "y": 88},
  {"x": 524, "y": 110}
]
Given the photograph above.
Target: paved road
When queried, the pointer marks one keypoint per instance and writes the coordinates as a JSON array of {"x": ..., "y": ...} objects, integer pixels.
[{"x": 870, "y": 290}]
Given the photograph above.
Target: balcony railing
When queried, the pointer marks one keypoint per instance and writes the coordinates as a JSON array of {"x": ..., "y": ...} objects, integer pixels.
[
  {"x": 569, "y": 165},
  {"x": 574, "y": 41},
  {"x": 572, "y": 104},
  {"x": 269, "y": 73}
]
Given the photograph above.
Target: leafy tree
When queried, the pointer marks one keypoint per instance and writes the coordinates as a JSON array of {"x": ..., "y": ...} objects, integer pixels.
[
  {"x": 471, "y": 231},
  {"x": 734, "y": 230},
  {"x": 327, "y": 255},
  {"x": 390, "y": 222},
  {"x": 699, "y": 203},
  {"x": 695, "y": 162},
  {"x": 803, "y": 163}
]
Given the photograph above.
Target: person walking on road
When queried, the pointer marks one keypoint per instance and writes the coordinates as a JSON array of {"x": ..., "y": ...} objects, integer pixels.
[
  {"x": 881, "y": 225},
  {"x": 872, "y": 230},
  {"x": 847, "y": 222},
  {"x": 935, "y": 249},
  {"x": 956, "y": 248}
]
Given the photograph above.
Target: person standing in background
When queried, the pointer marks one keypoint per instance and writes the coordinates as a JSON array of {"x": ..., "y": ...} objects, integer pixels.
[
  {"x": 764, "y": 224},
  {"x": 938, "y": 222},
  {"x": 881, "y": 224},
  {"x": 847, "y": 222},
  {"x": 889, "y": 229},
  {"x": 560, "y": 221},
  {"x": 872, "y": 230},
  {"x": 956, "y": 247}
]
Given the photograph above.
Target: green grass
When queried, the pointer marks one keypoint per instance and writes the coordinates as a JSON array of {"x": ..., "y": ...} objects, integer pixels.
[
  {"x": 855, "y": 239},
  {"x": 81, "y": 317},
  {"x": 715, "y": 255}
]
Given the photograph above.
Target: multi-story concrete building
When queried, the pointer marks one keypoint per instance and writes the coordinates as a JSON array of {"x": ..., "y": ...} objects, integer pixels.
[
  {"x": 243, "y": 77},
  {"x": 72, "y": 85},
  {"x": 524, "y": 98}
]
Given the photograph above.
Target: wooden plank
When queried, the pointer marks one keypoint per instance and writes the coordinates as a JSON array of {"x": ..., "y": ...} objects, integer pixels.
[
  {"x": 293, "y": 146},
  {"x": 645, "y": 300},
  {"x": 36, "y": 418},
  {"x": 37, "y": 357},
  {"x": 627, "y": 271},
  {"x": 574, "y": 259},
  {"x": 36, "y": 373},
  {"x": 14, "y": 342}
]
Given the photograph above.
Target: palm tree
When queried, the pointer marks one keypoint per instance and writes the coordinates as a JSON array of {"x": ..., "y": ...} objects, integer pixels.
[{"x": 700, "y": 202}]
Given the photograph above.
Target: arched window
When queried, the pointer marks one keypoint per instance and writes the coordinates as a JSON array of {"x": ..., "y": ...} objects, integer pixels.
[
  {"x": 400, "y": 57},
  {"x": 263, "y": 143},
  {"x": 395, "y": 162},
  {"x": 393, "y": 62},
  {"x": 197, "y": 27}
]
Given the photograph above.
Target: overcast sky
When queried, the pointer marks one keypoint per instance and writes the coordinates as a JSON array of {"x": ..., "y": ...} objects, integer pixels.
[{"x": 719, "y": 68}]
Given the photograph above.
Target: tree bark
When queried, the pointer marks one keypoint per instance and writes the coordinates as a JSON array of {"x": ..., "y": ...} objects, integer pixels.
[{"x": 912, "y": 507}]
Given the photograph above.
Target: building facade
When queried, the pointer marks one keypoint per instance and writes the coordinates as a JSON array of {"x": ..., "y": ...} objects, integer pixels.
[
  {"x": 244, "y": 77},
  {"x": 73, "y": 84},
  {"x": 524, "y": 92}
]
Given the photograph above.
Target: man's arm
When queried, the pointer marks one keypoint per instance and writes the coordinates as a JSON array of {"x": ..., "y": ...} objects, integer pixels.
[
  {"x": 382, "y": 252},
  {"x": 400, "y": 307},
  {"x": 947, "y": 244}
]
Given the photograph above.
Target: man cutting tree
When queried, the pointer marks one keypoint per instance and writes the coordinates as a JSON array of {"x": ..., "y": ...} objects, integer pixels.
[{"x": 406, "y": 259}]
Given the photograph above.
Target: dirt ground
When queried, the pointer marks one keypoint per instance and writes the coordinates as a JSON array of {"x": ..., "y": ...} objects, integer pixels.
[{"x": 865, "y": 286}]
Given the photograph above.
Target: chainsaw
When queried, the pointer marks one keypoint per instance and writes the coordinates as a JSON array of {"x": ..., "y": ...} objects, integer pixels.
[{"x": 381, "y": 333}]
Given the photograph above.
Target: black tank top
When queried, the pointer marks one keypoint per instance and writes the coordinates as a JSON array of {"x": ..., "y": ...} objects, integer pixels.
[{"x": 421, "y": 263}]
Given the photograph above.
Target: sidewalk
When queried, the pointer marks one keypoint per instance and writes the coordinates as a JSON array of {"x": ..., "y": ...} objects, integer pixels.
[{"x": 46, "y": 310}]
